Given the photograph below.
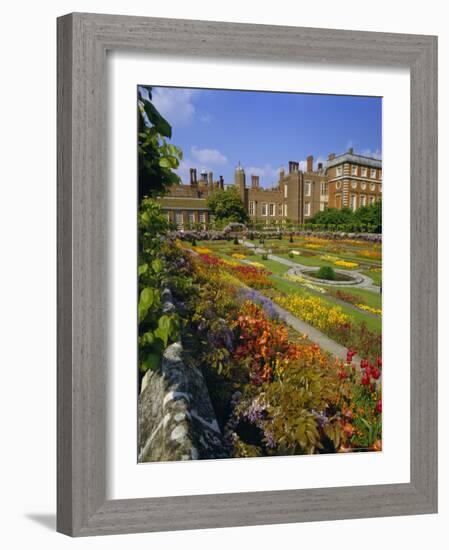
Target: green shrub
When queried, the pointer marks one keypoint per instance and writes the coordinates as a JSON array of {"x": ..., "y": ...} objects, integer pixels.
[{"x": 326, "y": 272}]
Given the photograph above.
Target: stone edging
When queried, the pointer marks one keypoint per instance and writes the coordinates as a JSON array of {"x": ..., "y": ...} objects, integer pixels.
[{"x": 176, "y": 417}]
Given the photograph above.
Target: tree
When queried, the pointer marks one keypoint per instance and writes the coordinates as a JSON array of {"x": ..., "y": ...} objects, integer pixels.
[
  {"x": 365, "y": 218},
  {"x": 226, "y": 205},
  {"x": 370, "y": 216},
  {"x": 157, "y": 157}
]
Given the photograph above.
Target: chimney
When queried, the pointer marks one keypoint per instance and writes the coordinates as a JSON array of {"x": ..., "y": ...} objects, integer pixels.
[
  {"x": 281, "y": 173},
  {"x": 351, "y": 150},
  {"x": 310, "y": 163},
  {"x": 293, "y": 166},
  {"x": 221, "y": 183},
  {"x": 193, "y": 180},
  {"x": 320, "y": 166},
  {"x": 331, "y": 156},
  {"x": 210, "y": 178},
  {"x": 254, "y": 182}
]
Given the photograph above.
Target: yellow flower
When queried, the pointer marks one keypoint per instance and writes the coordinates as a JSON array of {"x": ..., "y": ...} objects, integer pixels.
[
  {"x": 369, "y": 309},
  {"x": 202, "y": 250},
  {"x": 238, "y": 256},
  {"x": 344, "y": 263},
  {"x": 314, "y": 310}
]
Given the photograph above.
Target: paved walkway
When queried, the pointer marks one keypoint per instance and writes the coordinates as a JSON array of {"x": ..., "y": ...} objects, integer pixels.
[
  {"x": 365, "y": 282},
  {"x": 315, "y": 335}
]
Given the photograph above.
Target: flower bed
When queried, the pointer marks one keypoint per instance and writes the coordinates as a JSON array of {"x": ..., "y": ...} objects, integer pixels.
[
  {"x": 273, "y": 394},
  {"x": 334, "y": 322}
]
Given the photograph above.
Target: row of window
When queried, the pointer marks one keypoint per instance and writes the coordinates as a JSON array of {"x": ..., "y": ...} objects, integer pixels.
[
  {"x": 363, "y": 185},
  {"x": 364, "y": 200},
  {"x": 360, "y": 171},
  {"x": 267, "y": 209},
  {"x": 308, "y": 188},
  {"x": 192, "y": 217}
]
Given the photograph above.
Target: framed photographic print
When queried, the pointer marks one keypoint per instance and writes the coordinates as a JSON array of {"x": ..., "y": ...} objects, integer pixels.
[{"x": 246, "y": 274}]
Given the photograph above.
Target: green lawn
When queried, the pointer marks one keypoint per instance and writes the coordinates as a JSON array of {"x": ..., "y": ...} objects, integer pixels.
[
  {"x": 372, "y": 299},
  {"x": 225, "y": 249},
  {"x": 376, "y": 276}
]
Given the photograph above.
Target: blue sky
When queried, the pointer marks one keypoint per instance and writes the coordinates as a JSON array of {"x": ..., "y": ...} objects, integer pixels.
[{"x": 264, "y": 130}]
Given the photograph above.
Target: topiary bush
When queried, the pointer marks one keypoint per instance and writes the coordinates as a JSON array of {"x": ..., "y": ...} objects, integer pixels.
[{"x": 326, "y": 272}]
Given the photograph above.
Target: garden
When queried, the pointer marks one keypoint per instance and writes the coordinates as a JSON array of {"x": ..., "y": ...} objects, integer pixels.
[
  {"x": 243, "y": 309},
  {"x": 273, "y": 389}
]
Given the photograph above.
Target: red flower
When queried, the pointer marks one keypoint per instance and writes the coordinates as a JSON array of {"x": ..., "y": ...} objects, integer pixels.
[
  {"x": 363, "y": 364},
  {"x": 379, "y": 362},
  {"x": 375, "y": 373},
  {"x": 365, "y": 379},
  {"x": 379, "y": 406}
]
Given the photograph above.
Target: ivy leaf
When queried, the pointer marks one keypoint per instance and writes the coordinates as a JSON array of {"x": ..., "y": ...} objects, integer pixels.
[
  {"x": 146, "y": 300},
  {"x": 156, "y": 265},
  {"x": 151, "y": 362},
  {"x": 158, "y": 121},
  {"x": 142, "y": 269}
]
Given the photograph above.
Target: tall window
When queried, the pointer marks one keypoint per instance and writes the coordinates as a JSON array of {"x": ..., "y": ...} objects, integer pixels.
[
  {"x": 252, "y": 208},
  {"x": 272, "y": 209},
  {"x": 373, "y": 172},
  {"x": 307, "y": 188},
  {"x": 353, "y": 204},
  {"x": 364, "y": 172},
  {"x": 371, "y": 199},
  {"x": 202, "y": 217},
  {"x": 285, "y": 190},
  {"x": 191, "y": 217},
  {"x": 362, "y": 200},
  {"x": 285, "y": 210},
  {"x": 354, "y": 170},
  {"x": 264, "y": 209},
  {"x": 339, "y": 170},
  {"x": 324, "y": 188},
  {"x": 307, "y": 209},
  {"x": 179, "y": 219}
]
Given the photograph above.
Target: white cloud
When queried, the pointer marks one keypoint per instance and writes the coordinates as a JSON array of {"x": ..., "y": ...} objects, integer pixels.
[
  {"x": 268, "y": 174},
  {"x": 370, "y": 153},
  {"x": 208, "y": 156},
  {"x": 183, "y": 170},
  {"x": 175, "y": 104}
]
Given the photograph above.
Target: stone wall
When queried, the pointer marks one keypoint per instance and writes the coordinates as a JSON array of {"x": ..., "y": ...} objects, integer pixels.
[
  {"x": 176, "y": 417},
  {"x": 214, "y": 235}
]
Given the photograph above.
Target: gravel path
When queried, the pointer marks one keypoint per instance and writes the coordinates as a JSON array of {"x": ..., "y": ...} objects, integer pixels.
[{"x": 315, "y": 335}]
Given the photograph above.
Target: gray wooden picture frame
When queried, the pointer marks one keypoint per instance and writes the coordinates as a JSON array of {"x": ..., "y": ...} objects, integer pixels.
[{"x": 83, "y": 40}]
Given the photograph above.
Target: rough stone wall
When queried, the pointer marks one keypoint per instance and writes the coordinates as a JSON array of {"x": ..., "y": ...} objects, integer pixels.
[
  {"x": 176, "y": 417},
  {"x": 214, "y": 235}
]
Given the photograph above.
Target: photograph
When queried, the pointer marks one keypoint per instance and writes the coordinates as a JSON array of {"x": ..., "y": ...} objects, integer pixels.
[{"x": 259, "y": 276}]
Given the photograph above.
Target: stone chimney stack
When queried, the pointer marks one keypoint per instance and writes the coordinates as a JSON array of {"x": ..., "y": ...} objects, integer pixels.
[
  {"x": 254, "y": 182},
  {"x": 193, "y": 180},
  {"x": 331, "y": 156},
  {"x": 320, "y": 166},
  {"x": 210, "y": 179},
  {"x": 221, "y": 182},
  {"x": 281, "y": 173},
  {"x": 293, "y": 166},
  {"x": 310, "y": 163},
  {"x": 351, "y": 150}
]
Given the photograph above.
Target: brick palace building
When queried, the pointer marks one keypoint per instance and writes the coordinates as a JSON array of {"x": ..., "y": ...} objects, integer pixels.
[{"x": 348, "y": 179}]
